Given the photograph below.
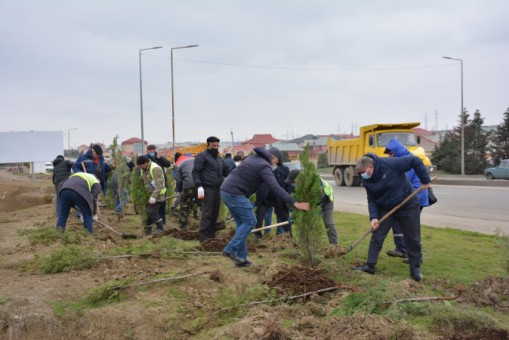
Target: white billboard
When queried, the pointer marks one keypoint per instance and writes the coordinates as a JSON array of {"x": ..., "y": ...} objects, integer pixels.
[{"x": 31, "y": 146}]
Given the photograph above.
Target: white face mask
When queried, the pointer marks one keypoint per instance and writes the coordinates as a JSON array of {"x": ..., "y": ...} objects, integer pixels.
[
  {"x": 365, "y": 175},
  {"x": 273, "y": 166}
]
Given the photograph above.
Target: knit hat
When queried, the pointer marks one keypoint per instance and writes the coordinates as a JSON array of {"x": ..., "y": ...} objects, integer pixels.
[
  {"x": 98, "y": 150},
  {"x": 151, "y": 147},
  {"x": 212, "y": 139},
  {"x": 277, "y": 153}
]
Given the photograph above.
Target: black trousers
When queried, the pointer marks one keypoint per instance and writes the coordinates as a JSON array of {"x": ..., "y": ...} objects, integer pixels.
[
  {"x": 409, "y": 219},
  {"x": 209, "y": 213}
]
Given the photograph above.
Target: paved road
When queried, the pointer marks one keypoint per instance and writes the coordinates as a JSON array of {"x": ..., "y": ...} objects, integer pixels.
[{"x": 466, "y": 207}]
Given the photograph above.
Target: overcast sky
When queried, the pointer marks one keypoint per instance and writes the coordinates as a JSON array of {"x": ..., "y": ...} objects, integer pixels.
[{"x": 282, "y": 67}]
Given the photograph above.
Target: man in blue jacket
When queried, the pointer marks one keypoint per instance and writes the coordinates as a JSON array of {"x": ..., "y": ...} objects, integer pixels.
[
  {"x": 92, "y": 162},
  {"x": 387, "y": 186},
  {"x": 236, "y": 189},
  {"x": 395, "y": 149}
]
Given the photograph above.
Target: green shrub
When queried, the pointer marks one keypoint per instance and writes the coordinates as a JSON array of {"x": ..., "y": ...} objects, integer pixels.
[
  {"x": 65, "y": 258},
  {"x": 503, "y": 243},
  {"x": 108, "y": 292}
]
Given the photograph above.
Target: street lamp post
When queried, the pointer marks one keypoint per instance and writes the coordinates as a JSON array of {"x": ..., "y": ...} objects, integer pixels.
[
  {"x": 69, "y": 139},
  {"x": 462, "y": 117},
  {"x": 141, "y": 96},
  {"x": 173, "y": 96}
]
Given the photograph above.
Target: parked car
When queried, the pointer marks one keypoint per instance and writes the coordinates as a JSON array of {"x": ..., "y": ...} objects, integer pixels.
[
  {"x": 499, "y": 172},
  {"x": 293, "y": 165},
  {"x": 48, "y": 166}
]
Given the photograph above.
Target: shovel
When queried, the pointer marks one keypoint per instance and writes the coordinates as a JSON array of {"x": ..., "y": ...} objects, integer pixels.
[
  {"x": 270, "y": 226},
  {"x": 124, "y": 236},
  {"x": 386, "y": 216}
]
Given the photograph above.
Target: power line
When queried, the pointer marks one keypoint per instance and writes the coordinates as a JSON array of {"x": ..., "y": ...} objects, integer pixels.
[{"x": 288, "y": 68}]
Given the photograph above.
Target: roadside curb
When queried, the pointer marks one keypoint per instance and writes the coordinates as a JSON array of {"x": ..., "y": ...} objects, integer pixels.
[{"x": 456, "y": 180}]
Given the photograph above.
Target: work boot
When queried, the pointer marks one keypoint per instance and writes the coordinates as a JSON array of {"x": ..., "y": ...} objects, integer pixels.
[
  {"x": 246, "y": 263},
  {"x": 417, "y": 275},
  {"x": 235, "y": 258},
  {"x": 160, "y": 227},
  {"x": 148, "y": 230},
  {"x": 367, "y": 268},
  {"x": 397, "y": 253}
]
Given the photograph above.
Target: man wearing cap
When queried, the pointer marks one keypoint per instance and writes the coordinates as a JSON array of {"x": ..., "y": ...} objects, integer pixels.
[
  {"x": 235, "y": 192},
  {"x": 163, "y": 162},
  {"x": 153, "y": 179},
  {"x": 79, "y": 190},
  {"x": 208, "y": 175},
  {"x": 327, "y": 204},
  {"x": 92, "y": 162}
]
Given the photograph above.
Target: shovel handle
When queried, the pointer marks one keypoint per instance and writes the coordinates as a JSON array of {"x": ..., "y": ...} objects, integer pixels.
[
  {"x": 270, "y": 226},
  {"x": 386, "y": 216},
  {"x": 110, "y": 228}
]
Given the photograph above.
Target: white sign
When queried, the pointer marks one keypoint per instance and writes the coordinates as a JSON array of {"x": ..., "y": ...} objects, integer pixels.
[{"x": 31, "y": 146}]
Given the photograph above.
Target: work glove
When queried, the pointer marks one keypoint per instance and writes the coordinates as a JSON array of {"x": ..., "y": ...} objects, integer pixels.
[
  {"x": 152, "y": 200},
  {"x": 201, "y": 193},
  {"x": 95, "y": 218}
]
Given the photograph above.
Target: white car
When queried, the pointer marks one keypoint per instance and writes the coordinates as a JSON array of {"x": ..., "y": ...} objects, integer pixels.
[{"x": 48, "y": 166}]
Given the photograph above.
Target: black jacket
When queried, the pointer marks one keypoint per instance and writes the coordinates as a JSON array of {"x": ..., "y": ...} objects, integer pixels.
[
  {"x": 163, "y": 162},
  {"x": 209, "y": 170},
  {"x": 61, "y": 171}
]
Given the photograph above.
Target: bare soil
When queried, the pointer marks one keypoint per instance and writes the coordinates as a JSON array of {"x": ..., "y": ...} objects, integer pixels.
[{"x": 46, "y": 306}]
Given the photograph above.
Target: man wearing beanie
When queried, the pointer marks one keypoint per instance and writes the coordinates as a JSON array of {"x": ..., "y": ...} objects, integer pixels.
[
  {"x": 92, "y": 162},
  {"x": 208, "y": 175},
  {"x": 235, "y": 192}
]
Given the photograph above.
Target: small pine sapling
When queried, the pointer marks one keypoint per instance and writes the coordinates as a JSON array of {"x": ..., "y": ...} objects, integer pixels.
[{"x": 308, "y": 225}]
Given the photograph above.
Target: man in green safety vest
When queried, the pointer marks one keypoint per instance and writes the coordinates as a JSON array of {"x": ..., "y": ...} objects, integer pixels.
[
  {"x": 79, "y": 190},
  {"x": 327, "y": 206},
  {"x": 153, "y": 179}
]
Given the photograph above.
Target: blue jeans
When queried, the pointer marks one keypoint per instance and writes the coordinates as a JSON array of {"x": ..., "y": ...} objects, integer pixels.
[
  {"x": 68, "y": 199},
  {"x": 242, "y": 211},
  {"x": 121, "y": 200}
]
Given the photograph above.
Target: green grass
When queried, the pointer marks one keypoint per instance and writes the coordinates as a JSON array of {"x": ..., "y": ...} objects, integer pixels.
[
  {"x": 64, "y": 258},
  {"x": 47, "y": 235}
]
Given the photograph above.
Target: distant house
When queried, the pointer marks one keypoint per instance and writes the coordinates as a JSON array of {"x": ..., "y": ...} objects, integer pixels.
[
  {"x": 261, "y": 140},
  {"x": 293, "y": 149},
  {"x": 245, "y": 148},
  {"x": 133, "y": 145}
]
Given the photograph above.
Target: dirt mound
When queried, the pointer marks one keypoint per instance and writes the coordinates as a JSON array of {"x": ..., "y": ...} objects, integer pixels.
[
  {"x": 25, "y": 318},
  {"x": 214, "y": 244},
  {"x": 13, "y": 197},
  {"x": 297, "y": 280},
  {"x": 360, "y": 326},
  {"x": 492, "y": 292},
  {"x": 334, "y": 251},
  {"x": 186, "y": 235}
]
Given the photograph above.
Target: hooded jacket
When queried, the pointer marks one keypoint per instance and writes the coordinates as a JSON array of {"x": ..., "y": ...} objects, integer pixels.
[
  {"x": 251, "y": 173},
  {"x": 86, "y": 160},
  {"x": 61, "y": 170},
  {"x": 399, "y": 150},
  {"x": 388, "y": 186}
]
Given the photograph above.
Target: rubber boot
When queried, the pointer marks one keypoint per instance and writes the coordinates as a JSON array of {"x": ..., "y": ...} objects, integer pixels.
[{"x": 148, "y": 230}]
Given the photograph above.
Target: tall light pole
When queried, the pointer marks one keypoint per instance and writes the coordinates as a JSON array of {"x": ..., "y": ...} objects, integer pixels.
[
  {"x": 173, "y": 96},
  {"x": 462, "y": 117},
  {"x": 69, "y": 139},
  {"x": 141, "y": 96}
]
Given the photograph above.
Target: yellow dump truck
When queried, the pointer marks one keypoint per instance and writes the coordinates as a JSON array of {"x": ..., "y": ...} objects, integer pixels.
[{"x": 343, "y": 154}]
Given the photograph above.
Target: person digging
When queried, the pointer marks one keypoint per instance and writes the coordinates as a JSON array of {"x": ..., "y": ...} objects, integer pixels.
[{"x": 153, "y": 179}]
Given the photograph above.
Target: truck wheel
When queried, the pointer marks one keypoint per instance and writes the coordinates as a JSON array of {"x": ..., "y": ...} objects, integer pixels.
[
  {"x": 339, "y": 177},
  {"x": 349, "y": 177}
]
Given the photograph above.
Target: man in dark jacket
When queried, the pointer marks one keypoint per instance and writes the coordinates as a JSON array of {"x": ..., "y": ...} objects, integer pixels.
[
  {"x": 79, "y": 190},
  {"x": 229, "y": 163},
  {"x": 92, "y": 162},
  {"x": 395, "y": 149},
  {"x": 387, "y": 186},
  {"x": 208, "y": 175},
  {"x": 163, "y": 162},
  {"x": 235, "y": 192},
  {"x": 61, "y": 171}
]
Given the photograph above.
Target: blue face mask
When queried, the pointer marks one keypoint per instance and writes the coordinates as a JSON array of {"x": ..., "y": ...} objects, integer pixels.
[
  {"x": 365, "y": 175},
  {"x": 152, "y": 154}
]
